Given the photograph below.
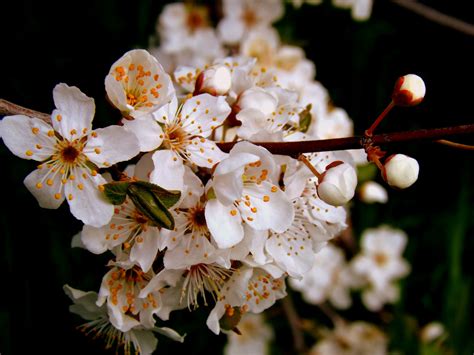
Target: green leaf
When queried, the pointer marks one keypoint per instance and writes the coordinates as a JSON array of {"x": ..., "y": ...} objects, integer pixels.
[
  {"x": 167, "y": 197},
  {"x": 150, "y": 205},
  {"x": 116, "y": 192},
  {"x": 305, "y": 119}
]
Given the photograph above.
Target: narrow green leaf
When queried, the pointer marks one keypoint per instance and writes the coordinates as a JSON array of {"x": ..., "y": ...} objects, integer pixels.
[
  {"x": 151, "y": 206},
  {"x": 167, "y": 197},
  {"x": 116, "y": 192},
  {"x": 305, "y": 119}
]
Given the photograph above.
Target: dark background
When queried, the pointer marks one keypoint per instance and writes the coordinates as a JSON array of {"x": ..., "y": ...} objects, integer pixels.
[{"x": 44, "y": 43}]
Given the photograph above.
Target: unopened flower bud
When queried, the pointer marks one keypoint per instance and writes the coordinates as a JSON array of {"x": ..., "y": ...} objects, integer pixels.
[
  {"x": 215, "y": 80},
  {"x": 400, "y": 171},
  {"x": 409, "y": 90},
  {"x": 337, "y": 184},
  {"x": 371, "y": 192}
]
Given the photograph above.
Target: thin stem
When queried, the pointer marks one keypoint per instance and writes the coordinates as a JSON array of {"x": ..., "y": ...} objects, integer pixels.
[
  {"x": 455, "y": 144},
  {"x": 379, "y": 119},
  {"x": 436, "y": 16},
  {"x": 310, "y": 166},
  {"x": 295, "y": 324}
]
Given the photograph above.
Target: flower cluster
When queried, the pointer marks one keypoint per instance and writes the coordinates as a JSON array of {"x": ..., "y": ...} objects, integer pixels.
[{"x": 186, "y": 223}]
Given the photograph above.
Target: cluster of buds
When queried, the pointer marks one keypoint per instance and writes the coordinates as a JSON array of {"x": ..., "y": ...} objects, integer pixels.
[{"x": 398, "y": 170}]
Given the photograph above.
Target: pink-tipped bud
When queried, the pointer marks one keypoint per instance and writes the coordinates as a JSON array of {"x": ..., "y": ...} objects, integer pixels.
[
  {"x": 215, "y": 80},
  {"x": 400, "y": 171},
  {"x": 337, "y": 184},
  {"x": 409, "y": 90}
]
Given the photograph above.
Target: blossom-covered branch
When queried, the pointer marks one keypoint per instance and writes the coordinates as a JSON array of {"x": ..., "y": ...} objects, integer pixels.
[{"x": 296, "y": 148}]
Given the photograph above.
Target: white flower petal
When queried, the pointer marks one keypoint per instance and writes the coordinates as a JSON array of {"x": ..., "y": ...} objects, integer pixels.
[
  {"x": 27, "y": 137},
  {"x": 194, "y": 189},
  {"x": 292, "y": 250},
  {"x": 224, "y": 223},
  {"x": 147, "y": 131},
  {"x": 202, "y": 113},
  {"x": 204, "y": 152},
  {"x": 87, "y": 202},
  {"x": 227, "y": 180},
  {"x": 74, "y": 112},
  {"x": 111, "y": 145},
  {"x": 48, "y": 195},
  {"x": 186, "y": 77},
  {"x": 169, "y": 170},
  {"x": 144, "y": 340},
  {"x": 144, "y": 252},
  {"x": 194, "y": 248},
  {"x": 267, "y": 207},
  {"x": 94, "y": 239},
  {"x": 230, "y": 30}
]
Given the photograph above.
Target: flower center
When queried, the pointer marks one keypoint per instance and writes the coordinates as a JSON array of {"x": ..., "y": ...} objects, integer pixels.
[
  {"x": 380, "y": 259},
  {"x": 201, "y": 278},
  {"x": 249, "y": 17},
  {"x": 69, "y": 154},
  {"x": 176, "y": 138},
  {"x": 196, "y": 19}
]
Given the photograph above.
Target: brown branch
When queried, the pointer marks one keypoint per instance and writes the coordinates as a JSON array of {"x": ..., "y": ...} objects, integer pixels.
[
  {"x": 296, "y": 148},
  {"x": 295, "y": 324},
  {"x": 9, "y": 108},
  {"x": 436, "y": 16},
  {"x": 356, "y": 142}
]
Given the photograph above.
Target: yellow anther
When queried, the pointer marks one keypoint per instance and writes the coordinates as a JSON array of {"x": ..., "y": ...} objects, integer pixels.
[
  {"x": 29, "y": 153},
  {"x": 72, "y": 177},
  {"x": 35, "y": 130},
  {"x": 59, "y": 118},
  {"x": 57, "y": 196},
  {"x": 101, "y": 188},
  {"x": 266, "y": 198},
  {"x": 73, "y": 132},
  {"x": 70, "y": 197},
  {"x": 97, "y": 150},
  {"x": 39, "y": 146},
  {"x": 49, "y": 182},
  {"x": 51, "y": 133},
  {"x": 233, "y": 212},
  {"x": 274, "y": 189},
  {"x": 80, "y": 186},
  {"x": 39, "y": 185},
  {"x": 94, "y": 173}
]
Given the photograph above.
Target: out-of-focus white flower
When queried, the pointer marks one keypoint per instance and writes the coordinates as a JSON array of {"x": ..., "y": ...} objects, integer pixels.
[
  {"x": 381, "y": 263},
  {"x": 371, "y": 192},
  {"x": 337, "y": 184},
  {"x": 409, "y": 90},
  {"x": 254, "y": 338},
  {"x": 360, "y": 9},
  {"x": 329, "y": 279},
  {"x": 243, "y": 16},
  {"x": 351, "y": 339},
  {"x": 261, "y": 43},
  {"x": 432, "y": 331},
  {"x": 137, "y": 84},
  {"x": 400, "y": 171},
  {"x": 71, "y": 153},
  {"x": 335, "y": 123}
]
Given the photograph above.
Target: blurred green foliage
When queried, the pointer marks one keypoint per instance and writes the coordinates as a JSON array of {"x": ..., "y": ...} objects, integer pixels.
[{"x": 44, "y": 43}]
